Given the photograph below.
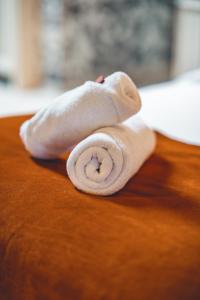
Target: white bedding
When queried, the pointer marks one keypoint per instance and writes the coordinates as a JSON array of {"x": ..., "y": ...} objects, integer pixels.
[{"x": 173, "y": 108}]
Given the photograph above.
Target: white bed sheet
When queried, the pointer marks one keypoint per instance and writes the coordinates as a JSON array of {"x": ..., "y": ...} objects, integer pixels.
[{"x": 173, "y": 109}]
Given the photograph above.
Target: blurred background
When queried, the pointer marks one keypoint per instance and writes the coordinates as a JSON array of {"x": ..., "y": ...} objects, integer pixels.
[
  {"x": 66, "y": 42},
  {"x": 47, "y": 46}
]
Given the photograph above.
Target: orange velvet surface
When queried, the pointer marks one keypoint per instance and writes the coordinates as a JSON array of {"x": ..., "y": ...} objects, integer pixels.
[{"x": 57, "y": 243}]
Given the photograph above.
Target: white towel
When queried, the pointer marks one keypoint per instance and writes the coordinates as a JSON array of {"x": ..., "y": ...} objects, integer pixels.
[
  {"x": 77, "y": 113},
  {"x": 104, "y": 162}
]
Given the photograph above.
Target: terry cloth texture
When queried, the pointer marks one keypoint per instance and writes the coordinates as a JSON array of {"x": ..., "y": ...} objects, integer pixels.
[
  {"x": 78, "y": 112},
  {"x": 104, "y": 162}
]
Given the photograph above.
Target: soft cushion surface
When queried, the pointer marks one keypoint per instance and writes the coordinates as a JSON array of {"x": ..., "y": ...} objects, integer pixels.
[{"x": 57, "y": 243}]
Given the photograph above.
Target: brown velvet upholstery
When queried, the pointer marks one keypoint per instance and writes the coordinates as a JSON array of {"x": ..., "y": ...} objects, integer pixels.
[{"x": 58, "y": 243}]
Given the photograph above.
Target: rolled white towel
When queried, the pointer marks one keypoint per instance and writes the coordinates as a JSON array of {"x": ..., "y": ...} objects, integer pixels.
[
  {"x": 78, "y": 112},
  {"x": 104, "y": 162}
]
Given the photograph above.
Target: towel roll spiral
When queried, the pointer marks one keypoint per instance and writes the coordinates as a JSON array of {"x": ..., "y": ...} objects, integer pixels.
[{"x": 104, "y": 162}]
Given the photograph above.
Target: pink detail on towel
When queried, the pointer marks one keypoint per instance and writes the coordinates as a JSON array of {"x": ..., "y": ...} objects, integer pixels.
[{"x": 100, "y": 79}]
